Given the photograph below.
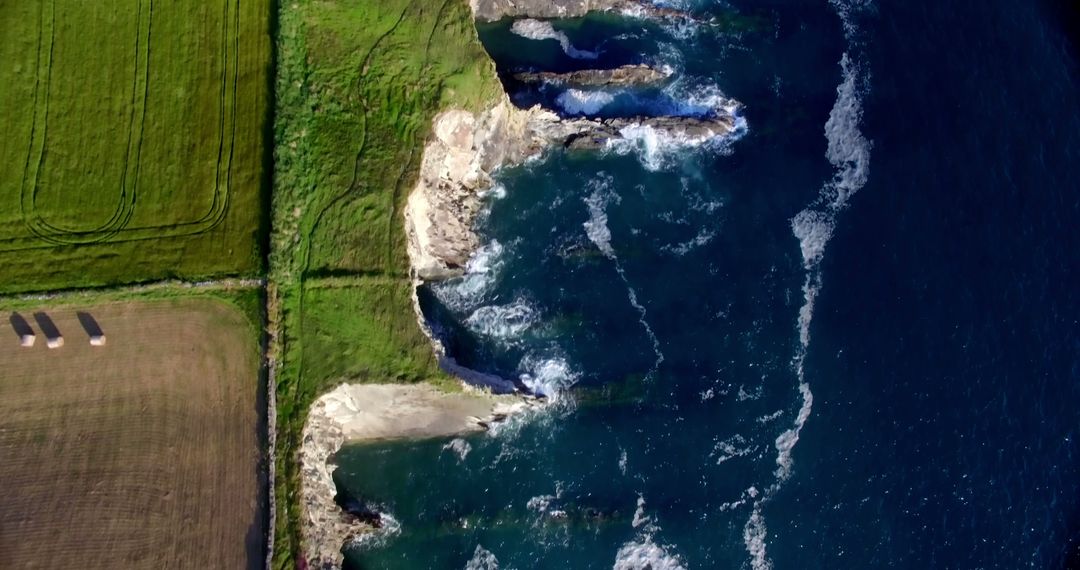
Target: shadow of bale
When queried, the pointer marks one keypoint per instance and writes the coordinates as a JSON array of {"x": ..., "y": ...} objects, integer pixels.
[
  {"x": 89, "y": 324},
  {"x": 22, "y": 328},
  {"x": 48, "y": 328}
]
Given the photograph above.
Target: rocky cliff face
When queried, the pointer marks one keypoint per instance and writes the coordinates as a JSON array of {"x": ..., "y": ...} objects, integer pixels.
[
  {"x": 376, "y": 412},
  {"x": 492, "y": 10},
  {"x": 467, "y": 148},
  {"x": 635, "y": 75}
]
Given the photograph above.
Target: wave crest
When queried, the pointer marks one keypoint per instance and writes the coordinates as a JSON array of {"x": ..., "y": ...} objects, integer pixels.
[
  {"x": 503, "y": 321},
  {"x": 540, "y": 30},
  {"x": 646, "y": 555},
  {"x": 578, "y": 102}
]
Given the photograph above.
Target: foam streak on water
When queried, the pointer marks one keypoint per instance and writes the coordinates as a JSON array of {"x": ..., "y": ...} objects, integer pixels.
[
  {"x": 540, "y": 30},
  {"x": 645, "y": 554},
  {"x": 597, "y": 230},
  {"x": 849, "y": 153},
  {"x": 578, "y": 102}
]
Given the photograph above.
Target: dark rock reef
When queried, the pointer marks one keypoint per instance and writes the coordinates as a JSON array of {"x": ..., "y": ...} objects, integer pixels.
[
  {"x": 634, "y": 75},
  {"x": 492, "y": 10}
]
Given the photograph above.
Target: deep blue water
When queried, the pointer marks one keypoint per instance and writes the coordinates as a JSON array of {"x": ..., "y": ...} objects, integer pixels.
[{"x": 907, "y": 194}]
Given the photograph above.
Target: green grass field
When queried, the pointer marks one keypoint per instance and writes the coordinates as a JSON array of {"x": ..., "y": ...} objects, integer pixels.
[
  {"x": 135, "y": 147},
  {"x": 358, "y": 85},
  {"x": 138, "y": 149}
]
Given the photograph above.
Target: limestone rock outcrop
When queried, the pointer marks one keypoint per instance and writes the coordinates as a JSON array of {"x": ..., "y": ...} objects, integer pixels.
[
  {"x": 467, "y": 148},
  {"x": 492, "y": 10},
  {"x": 634, "y": 75}
]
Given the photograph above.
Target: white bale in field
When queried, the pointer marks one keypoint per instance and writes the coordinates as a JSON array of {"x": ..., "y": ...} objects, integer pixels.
[
  {"x": 27, "y": 340},
  {"x": 97, "y": 340},
  {"x": 55, "y": 342}
]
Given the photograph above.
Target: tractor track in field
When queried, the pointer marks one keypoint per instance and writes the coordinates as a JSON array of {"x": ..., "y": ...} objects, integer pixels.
[{"x": 117, "y": 228}]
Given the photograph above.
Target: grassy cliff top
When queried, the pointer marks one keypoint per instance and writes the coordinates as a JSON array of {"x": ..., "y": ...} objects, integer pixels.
[{"x": 359, "y": 83}]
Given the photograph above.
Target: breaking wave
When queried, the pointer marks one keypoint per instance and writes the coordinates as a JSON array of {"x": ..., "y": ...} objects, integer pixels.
[
  {"x": 577, "y": 102},
  {"x": 503, "y": 321},
  {"x": 539, "y": 30},
  {"x": 645, "y": 554},
  {"x": 658, "y": 149},
  {"x": 547, "y": 376},
  {"x": 481, "y": 271},
  {"x": 482, "y": 559},
  {"x": 388, "y": 528},
  {"x": 459, "y": 447}
]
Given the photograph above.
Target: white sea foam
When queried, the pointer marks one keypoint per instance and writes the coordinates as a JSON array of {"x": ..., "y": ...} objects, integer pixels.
[
  {"x": 482, "y": 560},
  {"x": 547, "y": 376},
  {"x": 503, "y": 321},
  {"x": 813, "y": 228},
  {"x": 754, "y": 534},
  {"x": 640, "y": 518},
  {"x": 849, "y": 150},
  {"x": 622, "y": 461},
  {"x": 540, "y": 30},
  {"x": 786, "y": 441},
  {"x": 659, "y": 149},
  {"x": 496, "y": 192},
  {"x": 749, "y": 494},
  {"x": 849, "y": 153},
  {"x": 389, "y": 527},
  {"x": 770, "y": 417},
  {"x": 540, "y": 503},
  {"x": 847, "y": 10},
  {"x": 459, "y": 447},
  {"x": 644, "y": 554},
  {"x": 578, "y": 102},
  {"x": 704, "y": 236},
  {"x": 597, "y": 229},
  {"x": 691, "y": 97},
  {"x": 732, "y": 447},
  {"x": 465, "y": 293}
]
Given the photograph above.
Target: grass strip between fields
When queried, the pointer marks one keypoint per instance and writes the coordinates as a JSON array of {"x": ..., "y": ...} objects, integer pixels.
[{"x": 358, "y": 85}]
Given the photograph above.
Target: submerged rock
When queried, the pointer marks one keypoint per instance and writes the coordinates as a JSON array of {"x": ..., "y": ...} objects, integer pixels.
[{"x": 625, "y": 76}]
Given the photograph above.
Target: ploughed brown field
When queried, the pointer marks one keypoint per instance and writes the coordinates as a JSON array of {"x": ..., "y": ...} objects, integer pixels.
[{"x": 142, "y": 453}]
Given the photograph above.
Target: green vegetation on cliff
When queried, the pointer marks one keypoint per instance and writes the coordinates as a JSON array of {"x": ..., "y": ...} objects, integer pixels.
[{"x": 358, "y": 85}]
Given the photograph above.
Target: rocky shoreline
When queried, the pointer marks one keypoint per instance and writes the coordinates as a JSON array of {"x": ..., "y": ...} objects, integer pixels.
[
  {"x": 633, "y": 75},
  {"x": 493, "y": 10},
  {"x": 465, "y": 150},
  {"x": 371, "y": 412}
]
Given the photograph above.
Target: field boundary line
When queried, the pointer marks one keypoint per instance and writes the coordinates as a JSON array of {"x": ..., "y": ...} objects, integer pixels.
[{"x": 166, "y": 285}]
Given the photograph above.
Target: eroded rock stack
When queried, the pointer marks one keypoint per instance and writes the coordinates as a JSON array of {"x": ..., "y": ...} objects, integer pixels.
[
  {"x": 492, "y": 10},
  {"x": 633, "y": 75}
]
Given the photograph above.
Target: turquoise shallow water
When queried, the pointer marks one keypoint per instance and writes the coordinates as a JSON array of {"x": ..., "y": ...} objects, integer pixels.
[{"x": 847, "y": 338}]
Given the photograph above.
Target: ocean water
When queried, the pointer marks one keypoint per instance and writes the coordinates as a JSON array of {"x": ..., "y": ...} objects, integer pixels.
[{"x": 846, "y": 337}]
